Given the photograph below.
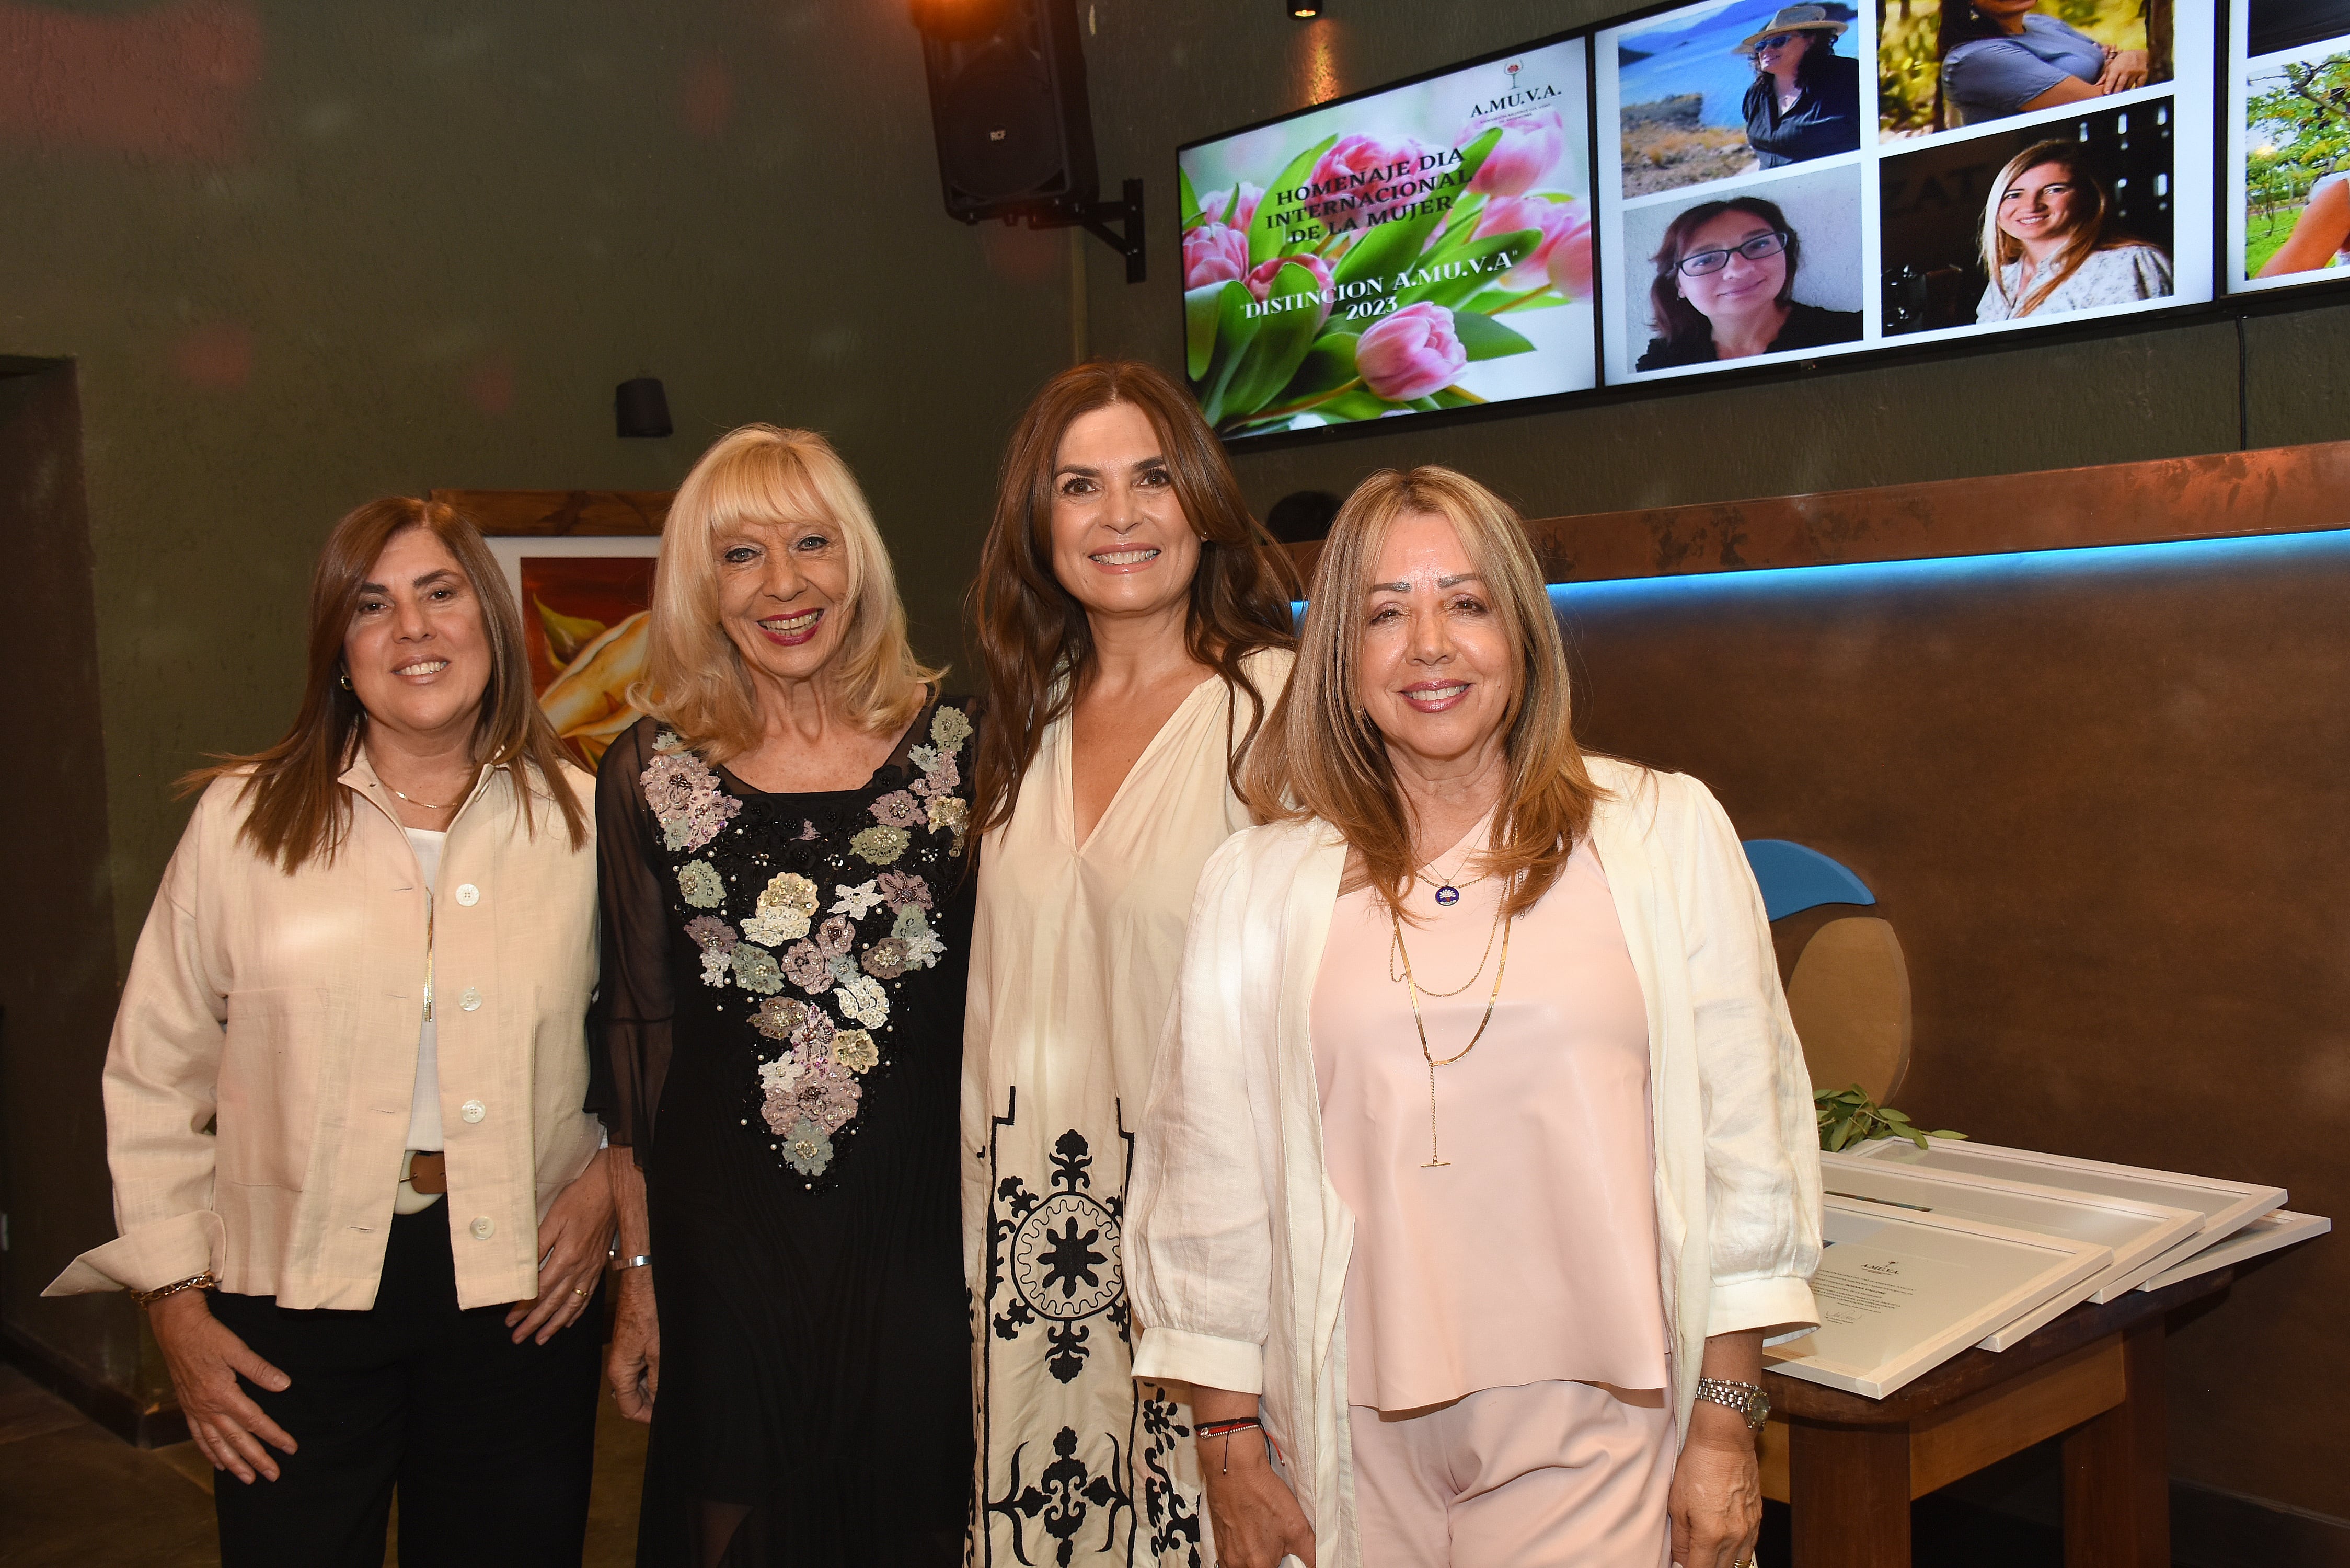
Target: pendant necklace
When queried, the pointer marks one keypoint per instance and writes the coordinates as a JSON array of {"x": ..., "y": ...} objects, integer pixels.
[
  {"x": 1448, "y": 890},
  {"x": 1435, "y": 1158}
]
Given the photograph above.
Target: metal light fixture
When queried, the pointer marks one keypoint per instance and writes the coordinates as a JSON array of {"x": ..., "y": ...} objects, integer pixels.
[{"x": 1304, "y": 10}]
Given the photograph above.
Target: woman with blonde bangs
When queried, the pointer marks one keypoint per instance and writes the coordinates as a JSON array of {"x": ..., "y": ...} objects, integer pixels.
[
  {"x": 787, "y": 927},
  {"x": 1479, "y": 1166},
  {"x": 1135, "y": 622},
  {"x": 2047, "y": 244}
]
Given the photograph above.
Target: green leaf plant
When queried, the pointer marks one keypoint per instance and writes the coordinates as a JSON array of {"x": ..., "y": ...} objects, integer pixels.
[{"x": 1849, "y": 1117}]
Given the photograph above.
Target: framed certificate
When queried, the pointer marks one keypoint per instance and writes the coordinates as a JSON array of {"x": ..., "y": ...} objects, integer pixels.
[
  {"x": 2225, "y": 1206},
  {"x": 1901, "y": 1291},
  {"x": 2137, "y": 1234},
  {"x": 2277, "y": 1228}
]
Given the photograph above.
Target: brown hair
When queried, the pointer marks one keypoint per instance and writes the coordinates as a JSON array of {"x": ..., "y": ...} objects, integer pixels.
[
  {"x": 299, "y": 808},
  {"x": 695, "y": 681},
  {"x": 1321, "y": 757},
  {"x": 1033, "y": 636},
  {"x": 2088, "y": 233},
  {"x": 1683, "y": 324}
]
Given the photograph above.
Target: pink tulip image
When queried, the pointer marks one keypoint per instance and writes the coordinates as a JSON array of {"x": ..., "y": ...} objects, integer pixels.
[
  {"x": 1259, "y": 277},
  {"x": 1410, "y": 354},
  {"x": 1563, "y": 226},
  {"x": 1570, "y": 252},
  {"x": 1361, "y": 168},
  {"x": 1530, "y": 148},
  {"x": 1213, "y": 254},
  {"x": 1213, "y": 205}
]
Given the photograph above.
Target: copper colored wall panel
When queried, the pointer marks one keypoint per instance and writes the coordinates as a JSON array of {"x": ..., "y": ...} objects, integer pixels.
[{"x": 2101, "y": 799}]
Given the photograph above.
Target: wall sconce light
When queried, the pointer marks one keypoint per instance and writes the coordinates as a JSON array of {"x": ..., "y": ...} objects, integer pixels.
[
  {"x": 1304, "y": 10},
  {"x": 640, "y": 408}
]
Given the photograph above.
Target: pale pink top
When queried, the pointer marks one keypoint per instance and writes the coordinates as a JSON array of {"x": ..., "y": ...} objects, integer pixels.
[{"x": 1531, "y": 1255}]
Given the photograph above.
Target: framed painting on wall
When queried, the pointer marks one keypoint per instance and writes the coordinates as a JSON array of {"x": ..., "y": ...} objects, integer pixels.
[{"x": 581, "y": 565}]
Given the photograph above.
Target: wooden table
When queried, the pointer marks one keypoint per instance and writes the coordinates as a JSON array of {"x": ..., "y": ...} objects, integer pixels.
[{"x": 1848, "y": 1466}]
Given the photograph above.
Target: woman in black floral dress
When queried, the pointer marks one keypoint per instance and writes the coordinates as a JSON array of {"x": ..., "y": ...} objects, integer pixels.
[{"x": 786, "y": 927}]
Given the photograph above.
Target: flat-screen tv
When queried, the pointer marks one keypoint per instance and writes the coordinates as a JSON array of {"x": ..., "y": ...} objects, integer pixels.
[
  {"x": 1787, "y": 183},
  {"x": 2288, "y": 167},
  {"x": 1420, "y": 248}
]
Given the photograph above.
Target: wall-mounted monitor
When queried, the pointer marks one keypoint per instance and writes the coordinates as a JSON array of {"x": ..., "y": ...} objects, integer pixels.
[
  {"x": 2287, "y": 172},
  {"x": 1421, "y": 247},
  {"x": 1787, "y": 183}
]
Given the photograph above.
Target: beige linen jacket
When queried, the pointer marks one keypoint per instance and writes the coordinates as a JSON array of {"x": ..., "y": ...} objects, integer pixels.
[
  {"x": 1236, "y": 1242},
  {"x": 258, "y": 1084}
]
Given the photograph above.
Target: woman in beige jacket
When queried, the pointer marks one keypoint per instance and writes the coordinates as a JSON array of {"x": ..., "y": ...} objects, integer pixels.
[{"x": 355, "y": 1186}]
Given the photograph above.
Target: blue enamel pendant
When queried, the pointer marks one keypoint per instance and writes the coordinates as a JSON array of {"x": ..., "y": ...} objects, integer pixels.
[{"x": 1447, "y": 896}]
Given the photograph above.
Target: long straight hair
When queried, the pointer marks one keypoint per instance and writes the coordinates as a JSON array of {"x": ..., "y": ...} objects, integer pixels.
[
  {"x": 299, "y": 809},
  {"x": 2000, "y": 248},
  {"x": 1321, "y": 757},
  {"x": 695, "y": 681},
  {"x": 1033, "y": 636}
]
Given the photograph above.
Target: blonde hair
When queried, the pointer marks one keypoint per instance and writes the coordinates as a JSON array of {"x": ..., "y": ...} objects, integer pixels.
[
  {"x": 2088, "y": 233},
  {"x": 695, "y": 681},
  {"x": 1320, "y": 755}
]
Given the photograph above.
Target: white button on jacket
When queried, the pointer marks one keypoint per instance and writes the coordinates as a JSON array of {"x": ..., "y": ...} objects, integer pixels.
[
  {"x": 484, "y": 1228},
  {"x": 472, "y": 1110},
  {"x": 468, "y": 894},
  {"x": 287, "y": 1006}
]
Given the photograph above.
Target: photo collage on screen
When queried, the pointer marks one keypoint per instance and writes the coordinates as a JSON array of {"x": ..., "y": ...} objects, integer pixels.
[
  {"x": 1785, "y": 182},
  {"x": 1421, "y": 248},
  {"x": 2288, "y": 162}
]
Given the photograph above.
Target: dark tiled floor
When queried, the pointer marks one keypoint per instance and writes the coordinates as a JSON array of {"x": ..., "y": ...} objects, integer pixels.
[{"x": 73, "y": 1495}]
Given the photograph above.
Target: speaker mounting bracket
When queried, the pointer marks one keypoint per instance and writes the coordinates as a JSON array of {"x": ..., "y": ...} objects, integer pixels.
[{"x": 1096, "y": 218}]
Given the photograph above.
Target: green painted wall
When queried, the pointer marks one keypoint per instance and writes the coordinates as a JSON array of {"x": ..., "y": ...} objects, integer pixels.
[{"x": 309, "y": 251}]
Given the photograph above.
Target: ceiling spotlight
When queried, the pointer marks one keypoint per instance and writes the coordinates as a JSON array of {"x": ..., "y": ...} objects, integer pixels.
[{"x": 1304, "y": 10}]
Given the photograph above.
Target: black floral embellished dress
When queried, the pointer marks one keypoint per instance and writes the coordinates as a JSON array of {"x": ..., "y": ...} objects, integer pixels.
[{"x": 782, "y": 997}]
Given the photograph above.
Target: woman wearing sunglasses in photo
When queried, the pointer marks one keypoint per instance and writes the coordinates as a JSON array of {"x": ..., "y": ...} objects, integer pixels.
[{"x": 1725, "y": 289}]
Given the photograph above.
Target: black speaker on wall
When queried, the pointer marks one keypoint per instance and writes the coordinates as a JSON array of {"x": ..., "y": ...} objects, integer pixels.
[{"x": 1015, "y": 131}]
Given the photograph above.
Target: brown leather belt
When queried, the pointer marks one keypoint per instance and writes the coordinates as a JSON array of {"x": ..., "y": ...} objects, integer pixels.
[{"x": 428, "y": 1171}]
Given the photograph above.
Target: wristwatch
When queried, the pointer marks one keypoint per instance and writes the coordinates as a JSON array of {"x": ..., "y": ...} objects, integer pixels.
[{"x": 1747, "y": 1400}]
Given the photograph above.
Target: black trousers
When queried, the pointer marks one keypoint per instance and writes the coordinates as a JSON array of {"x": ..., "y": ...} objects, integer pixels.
[{"x": 490, "y": 1444}]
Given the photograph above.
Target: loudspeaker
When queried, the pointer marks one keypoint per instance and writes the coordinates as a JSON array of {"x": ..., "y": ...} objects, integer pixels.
[{"x": 1008, "y": 107}]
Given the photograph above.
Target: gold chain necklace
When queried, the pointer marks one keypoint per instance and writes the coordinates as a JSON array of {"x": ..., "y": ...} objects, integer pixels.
[
  {"x": 1435, "y": 1158},
  {"x": 1395, "y": 949},
  {"x": 411, "y": 800}
]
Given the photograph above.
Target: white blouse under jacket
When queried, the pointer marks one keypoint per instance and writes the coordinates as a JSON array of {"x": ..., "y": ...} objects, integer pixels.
[{"x": 1236, "y": 1243}]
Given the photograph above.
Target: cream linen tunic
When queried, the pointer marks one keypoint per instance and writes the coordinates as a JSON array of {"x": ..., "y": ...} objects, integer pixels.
[
  {"x": 1074, "y": 960},
  {"x": 284, "y": 1009},
  {"x": 1238, "y": 1245}
]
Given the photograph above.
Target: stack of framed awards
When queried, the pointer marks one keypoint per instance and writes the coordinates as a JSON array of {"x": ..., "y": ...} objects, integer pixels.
[{"x": 1932, "y": 1251}]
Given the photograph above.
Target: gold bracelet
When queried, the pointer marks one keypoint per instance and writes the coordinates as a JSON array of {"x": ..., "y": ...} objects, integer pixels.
[{"x": 206, "y": 1281}]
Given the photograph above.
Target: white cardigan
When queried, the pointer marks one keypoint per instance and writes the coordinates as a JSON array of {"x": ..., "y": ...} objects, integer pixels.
[{"x": 1236, "y": 1243}]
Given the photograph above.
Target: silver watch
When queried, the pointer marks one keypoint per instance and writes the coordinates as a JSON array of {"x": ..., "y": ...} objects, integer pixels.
[{"x": 1746, "y": 1398}]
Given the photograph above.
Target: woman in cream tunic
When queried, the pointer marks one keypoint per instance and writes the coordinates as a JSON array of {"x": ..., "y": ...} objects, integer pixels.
[{"x": 1135, "y": 626}]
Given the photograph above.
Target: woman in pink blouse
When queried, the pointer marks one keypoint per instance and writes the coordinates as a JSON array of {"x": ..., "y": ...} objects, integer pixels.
[{"x": 1479, "y": 1166}]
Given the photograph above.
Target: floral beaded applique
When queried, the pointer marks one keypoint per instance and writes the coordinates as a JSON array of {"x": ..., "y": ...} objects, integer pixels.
[
  {"x": 818, "y": 971},
  {"x": 684, "y": 795}
]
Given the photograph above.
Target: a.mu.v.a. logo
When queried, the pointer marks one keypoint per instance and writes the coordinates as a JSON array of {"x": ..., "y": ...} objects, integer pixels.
[{"x": 1517, "y": 97}]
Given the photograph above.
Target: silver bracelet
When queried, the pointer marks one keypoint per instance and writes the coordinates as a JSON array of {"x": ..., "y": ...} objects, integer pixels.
[{"x": 640, "y": 1261}]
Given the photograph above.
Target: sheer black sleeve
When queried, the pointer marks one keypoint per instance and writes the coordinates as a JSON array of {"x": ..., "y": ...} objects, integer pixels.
[{"x": 635, "y": 993}]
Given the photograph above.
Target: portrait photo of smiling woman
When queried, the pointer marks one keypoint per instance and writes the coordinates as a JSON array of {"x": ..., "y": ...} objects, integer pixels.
[
  {"x": 1768, "y": 270},
  {"x": 2047, "y": 245}
]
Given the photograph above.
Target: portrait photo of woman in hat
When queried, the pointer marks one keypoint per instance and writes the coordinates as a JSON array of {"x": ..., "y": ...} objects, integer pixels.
[{"x": 1805, "y": 100}]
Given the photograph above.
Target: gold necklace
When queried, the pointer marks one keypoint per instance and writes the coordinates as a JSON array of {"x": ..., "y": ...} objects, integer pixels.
[
  {"x": 1435, "y": 1158},
  {"x": 1395, "y": 949},
  {"x": 424, "y": 805},
  {"x": 1448, "y": 891}
]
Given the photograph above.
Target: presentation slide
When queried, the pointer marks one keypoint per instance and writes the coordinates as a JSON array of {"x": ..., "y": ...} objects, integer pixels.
[
  {"x": 1422, "y": 247},
  {"x": 1785, "y": 183},
  {"x": 2288, "y": 129}
]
